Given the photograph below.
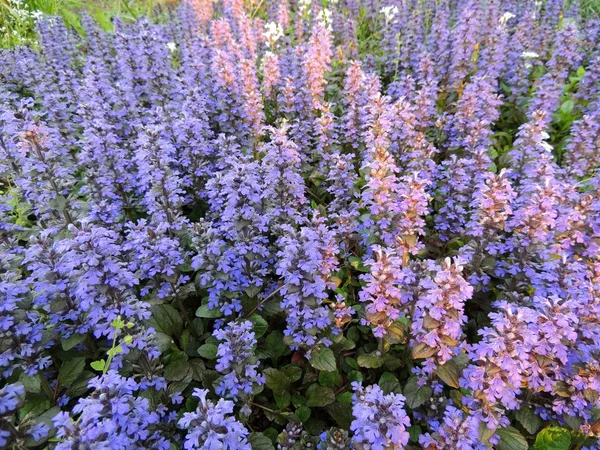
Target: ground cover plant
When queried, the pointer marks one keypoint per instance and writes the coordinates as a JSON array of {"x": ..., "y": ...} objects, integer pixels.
[{"x": 294, "y": 224}]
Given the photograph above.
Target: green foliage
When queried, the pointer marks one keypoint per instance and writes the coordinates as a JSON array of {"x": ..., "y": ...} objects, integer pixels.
[
  {"x": 528, "y": 419},
  {"x": 260, "y": 442},
  {"x": 166, "y": 319},
  {"x": 206, "y": 313},
  {"x": 511, "y": 439},
  {"x": 260, "y": 325},
  {"x": 119, "y": 325},
  {"x": 589, "y": 9},
  {"x": 323, "y": 359},
  {"x": 449, "y": 373},
  {"x": 277, "y": 381},
  {"x": 415, "y": 395},
  {"x": 70, "y": 370},
  {"x": 319, "y": 396},
  {"x": 390, "y": 384},
  {"x": 17, "y": 17},
  {"x": 208, "y": 351},
  {"x": 553, "y": 438},
  {"x": 373, "y": 360}
]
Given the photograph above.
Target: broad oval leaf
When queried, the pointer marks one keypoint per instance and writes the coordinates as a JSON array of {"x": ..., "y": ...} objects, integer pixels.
[
  {"x": 511, "y": 439},
  {"x": 552, "y": 438},
  {"x": 449, "y": 373},
  {"x": 322, "y": 358}
]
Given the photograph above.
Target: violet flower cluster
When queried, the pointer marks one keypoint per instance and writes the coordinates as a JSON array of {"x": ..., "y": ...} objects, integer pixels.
[
  {"x": 306, "y": 262},
  {"x": 380, "y": 421},
  {"x": 219, "y": 220},
  {"x": 111, "y": 417},
  {"x": 439, "y": 316},
  {"x": 211, "y": 426},
  {"x": 235, "y": 358},
  {"x": 12, "y": 398}
]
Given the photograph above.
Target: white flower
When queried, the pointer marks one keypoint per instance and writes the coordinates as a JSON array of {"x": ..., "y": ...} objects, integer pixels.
[
  {"x": 304, "y": 5},
  {"x": 389, "y": 12},
  {"x": 529, "y": 55},
  {"x": 546, "y": 146},
  {"x": 37, "y": 15},
  {"x": 325, "y": 18},
  {"x": 172, "y": 46},
  {"x": 273, "y": 31},
  {"x": 506, "y": 17}
]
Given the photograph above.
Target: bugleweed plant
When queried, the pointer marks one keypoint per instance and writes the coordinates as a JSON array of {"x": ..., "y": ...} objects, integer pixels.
[{"x": 339, "y": 225}]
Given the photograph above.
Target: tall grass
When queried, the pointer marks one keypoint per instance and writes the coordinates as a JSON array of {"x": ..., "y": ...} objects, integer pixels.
[{"x": 17, "y": 17}]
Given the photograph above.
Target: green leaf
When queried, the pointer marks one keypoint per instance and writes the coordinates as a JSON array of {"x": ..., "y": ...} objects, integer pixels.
[
  {"x": 344, "y": 397},
  {"x": 511, "y": 439},
  {"x": 276, "y": 345},
  {"x": 166, "y": 319},
  {"x": 415, "y": 395},
  {"x": 252, "y": 291},
  {"x": 358, "y": 264},
  {"x": 310, "y": 377},
  {"x": 98, "y": 365},
  {"x": 177, "y": 367},
  {"x": 350, "y": 362},
  {"x": 294, "y": 373},
  {"x": 396, "y": 333},
  {"x": 320, "y": 396},
  {"x": 574, "y": 423},
  {"x": 298, "y": 400},
  {"x": 552, "y": 438},
  {"x": 484, "y": 432},
  {"x": 355, "y": 375},
  {"x": 45, "y": 418},
  {"x": 567, "y": 107},
  {"x": 389, "y": 383},
  {"x": 271, "y": 433},
  {"x": 391, "y": 363},
  {"x": 115, "y": 350},
  {"x": 80, "y": 385},
  {"x": 303, "y": 413},
  {"x": 198, "y": 368},
  {"x": 346, "y": 344},
  {"x": 322, "y": 358},
  {"x": 449, "y": 373},
  {"x": 372, "y": 360},
  {"x": 328, "y": 379},
  {"x": 422, "y": 350},
  {"x": 283, "y": 400},
  {"x": 70, "y": 370},
  {"x": 177, "y": 370},
  {"x": 70, "y": 342},
  {"x": 259, "y": 441},
  {"x": 341, "y": 413},
  {"x": 414, "y": 432},
  {"x": 32, "y": 384},
  {"x": 206, "y": 313},
  {"x": 260, "y": 325},
  {"x": 529, "y": 419},
  {"x": 276, "y": 380},
  {"x": 208, "y": 351},
  {"x": 34, "y": 406},
  {"x": 353, "y": 334},
  {"x": 163, "y": 341},
  {"x": 118, "y": 323}
]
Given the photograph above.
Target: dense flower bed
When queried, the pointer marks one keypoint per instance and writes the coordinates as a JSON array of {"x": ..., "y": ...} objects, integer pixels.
[{"x": 298, "y": 224}]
